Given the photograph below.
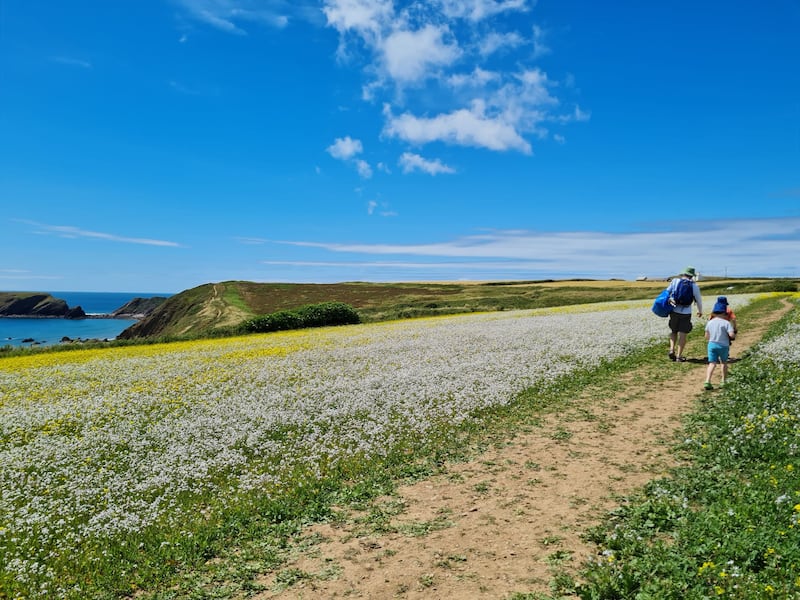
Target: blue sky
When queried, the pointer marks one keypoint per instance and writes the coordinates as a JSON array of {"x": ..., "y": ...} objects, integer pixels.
[{"x": 156, "y": 146}]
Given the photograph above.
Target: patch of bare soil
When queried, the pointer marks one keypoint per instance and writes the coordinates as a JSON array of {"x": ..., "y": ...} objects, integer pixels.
[{"x": 504, "y": 521}]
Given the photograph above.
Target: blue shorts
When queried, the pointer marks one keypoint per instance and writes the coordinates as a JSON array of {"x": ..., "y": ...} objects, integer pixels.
[{"x": 718, "y": 352}]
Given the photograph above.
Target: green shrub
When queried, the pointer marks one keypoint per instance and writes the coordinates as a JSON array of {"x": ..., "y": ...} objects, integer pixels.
[
  {"x": 312, "y": 315},
  {"x": 781, "y": 285}
]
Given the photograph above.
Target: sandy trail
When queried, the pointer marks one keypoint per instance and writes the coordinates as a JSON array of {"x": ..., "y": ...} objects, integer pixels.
[{"x": 504, "y": 521}]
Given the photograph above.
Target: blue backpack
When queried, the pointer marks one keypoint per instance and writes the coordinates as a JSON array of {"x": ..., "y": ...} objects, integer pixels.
[
  {"x": 661, "y": 306},
  {"x": 683, "y": 294}
]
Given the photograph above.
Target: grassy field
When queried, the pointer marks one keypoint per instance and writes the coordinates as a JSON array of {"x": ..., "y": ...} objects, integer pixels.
[
  {"x": 198, "y": 311},
  {"x": 180, "y": 470}
]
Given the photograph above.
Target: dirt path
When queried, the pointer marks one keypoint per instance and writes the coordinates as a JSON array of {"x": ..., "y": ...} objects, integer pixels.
[{"x": 501, "y": 523}]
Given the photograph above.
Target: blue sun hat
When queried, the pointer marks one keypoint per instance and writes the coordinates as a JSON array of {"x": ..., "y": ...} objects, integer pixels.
[
  {"x": 722, "y": 300},
  {"x": 720, "y": 307}
]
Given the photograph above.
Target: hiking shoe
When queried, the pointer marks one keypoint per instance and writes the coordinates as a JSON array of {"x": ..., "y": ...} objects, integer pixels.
[
  {"x": 671, "y": 356},
  {"x": 680, "y": 358},
  {"x": 708, "y": 385}
]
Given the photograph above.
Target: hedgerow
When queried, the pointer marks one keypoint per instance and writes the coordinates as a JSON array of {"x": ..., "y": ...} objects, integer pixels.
[{"x": 311, "y": 315}]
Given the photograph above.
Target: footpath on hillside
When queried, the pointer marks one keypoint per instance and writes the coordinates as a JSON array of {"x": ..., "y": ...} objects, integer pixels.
[{"x": 504, "y": 522}]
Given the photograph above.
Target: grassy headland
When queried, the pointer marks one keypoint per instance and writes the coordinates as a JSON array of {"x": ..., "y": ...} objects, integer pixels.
[{"x": 202, "y": 310}]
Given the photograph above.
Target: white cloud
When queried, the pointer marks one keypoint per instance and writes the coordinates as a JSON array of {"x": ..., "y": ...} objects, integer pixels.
[
  {"x": 345, "y": 148},
  {"x": 495, "y": 41},
  {"x": 766, "y": 247},
  {"x": 363, "y": 168},
  {"x": 385, "y": 209},
  {"x": 368, "y": 17},
  {"x": 251, "y": 241},
  {"x": 462, "y": 127},
  {"x": 72, "y": 62},
  {"x": 25, "y": 276},
  {"x": 70, "y": 232},
  {"x": 478, "y": 78},
  {"x": 414, "y": 162},
  {"x": 540, "y": 47},
  {"x": 477, "y": 10},
  {"x": 411, "y": 55},
  {"x": 434, "y": 61},
  {"x": 229, "y": 15},
  {"x": 415, "y": 62}
]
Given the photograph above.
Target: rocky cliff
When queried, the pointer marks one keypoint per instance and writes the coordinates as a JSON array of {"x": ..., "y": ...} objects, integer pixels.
[
  {"x": 138, "y": 308},
  {"x": 25, "y": 304}
]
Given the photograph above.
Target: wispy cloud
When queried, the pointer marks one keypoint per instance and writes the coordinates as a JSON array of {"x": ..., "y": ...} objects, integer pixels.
[
  {"x": 72, "y": 62},
  {"x": 413, "y": 55},
  {"x": 540, "y": 47},
  {"x": 464, "y": 127},
  {"x": 478, "y": 10},
  {"x": 233, "y": 16},
  {"x": 347, "y": 149},
  {"x": 442, "y": 49},
  {"x": 414, "y": 162},
  {"x": 71, "y": 232},
  {"x": 26, "y": 276},
  {"x": 499, "y": 266},
  {"x": 769, "y": 247},
  {"x": 432, "y": 63},
  {"x": 380, "y": 208}
]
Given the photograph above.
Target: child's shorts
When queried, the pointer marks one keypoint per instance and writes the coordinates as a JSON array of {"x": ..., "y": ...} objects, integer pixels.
[{"x": 718, "y": 352}]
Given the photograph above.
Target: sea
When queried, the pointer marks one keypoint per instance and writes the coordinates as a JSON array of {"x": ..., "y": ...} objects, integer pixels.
[{"x": 45, "y": 332}]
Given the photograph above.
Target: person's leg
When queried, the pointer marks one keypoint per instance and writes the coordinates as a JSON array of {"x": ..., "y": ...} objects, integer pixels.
[
  {"x": 674, "y": 327},
  {"x": 681, "y": 344},
  {"x": 723, "y": 359},
  {"x": 713, "y": 359},
  {"x": 712, "y": 364}
]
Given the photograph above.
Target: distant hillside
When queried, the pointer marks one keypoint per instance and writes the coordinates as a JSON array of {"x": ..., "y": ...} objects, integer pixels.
[
  {"x": 138, "y": 308},
  {"x": 34, "y": 304},
  {"x": 200, "y": 310}
]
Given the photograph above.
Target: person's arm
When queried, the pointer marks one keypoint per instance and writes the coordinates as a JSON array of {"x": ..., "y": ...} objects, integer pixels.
[
  {"x": 698, "y": 299},
  {"x": 731, "y": 332}
]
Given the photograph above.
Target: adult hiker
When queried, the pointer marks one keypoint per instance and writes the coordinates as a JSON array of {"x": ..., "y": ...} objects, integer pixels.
[{"x": 683, "y": 292}]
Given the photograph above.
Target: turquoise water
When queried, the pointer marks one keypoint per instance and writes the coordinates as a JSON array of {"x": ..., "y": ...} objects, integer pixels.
[{"x": 50, "y": 331}]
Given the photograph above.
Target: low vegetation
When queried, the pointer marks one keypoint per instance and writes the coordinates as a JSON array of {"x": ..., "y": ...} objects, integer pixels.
[
  {"x": 726, "y": 524},
  {"x": 182, "y": 469},
  {"x": 311, "y": 315},
  {"x": 121, "y": 467}
]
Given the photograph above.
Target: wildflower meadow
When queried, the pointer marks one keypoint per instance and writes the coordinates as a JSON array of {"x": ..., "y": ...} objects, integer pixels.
[
  {"x": 111, "y": 459},
  {"x": 119, "y": 465}
]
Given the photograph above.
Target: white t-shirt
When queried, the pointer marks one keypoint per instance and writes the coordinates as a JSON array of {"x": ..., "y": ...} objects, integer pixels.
[{"x": 719, "y": 331}]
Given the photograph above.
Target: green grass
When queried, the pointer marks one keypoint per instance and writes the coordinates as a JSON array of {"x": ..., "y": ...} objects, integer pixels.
[
  {"x": 726, "y": 524},
  {"x": 233, "y": 297}
]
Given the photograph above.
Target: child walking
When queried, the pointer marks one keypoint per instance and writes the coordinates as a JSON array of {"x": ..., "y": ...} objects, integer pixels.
[
  {"x": 728, "y": 311},
  {"x": 719, "y": 333}
]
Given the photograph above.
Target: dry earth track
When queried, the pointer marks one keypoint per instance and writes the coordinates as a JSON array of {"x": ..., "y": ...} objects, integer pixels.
[{"x": 500, "y": 523}]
